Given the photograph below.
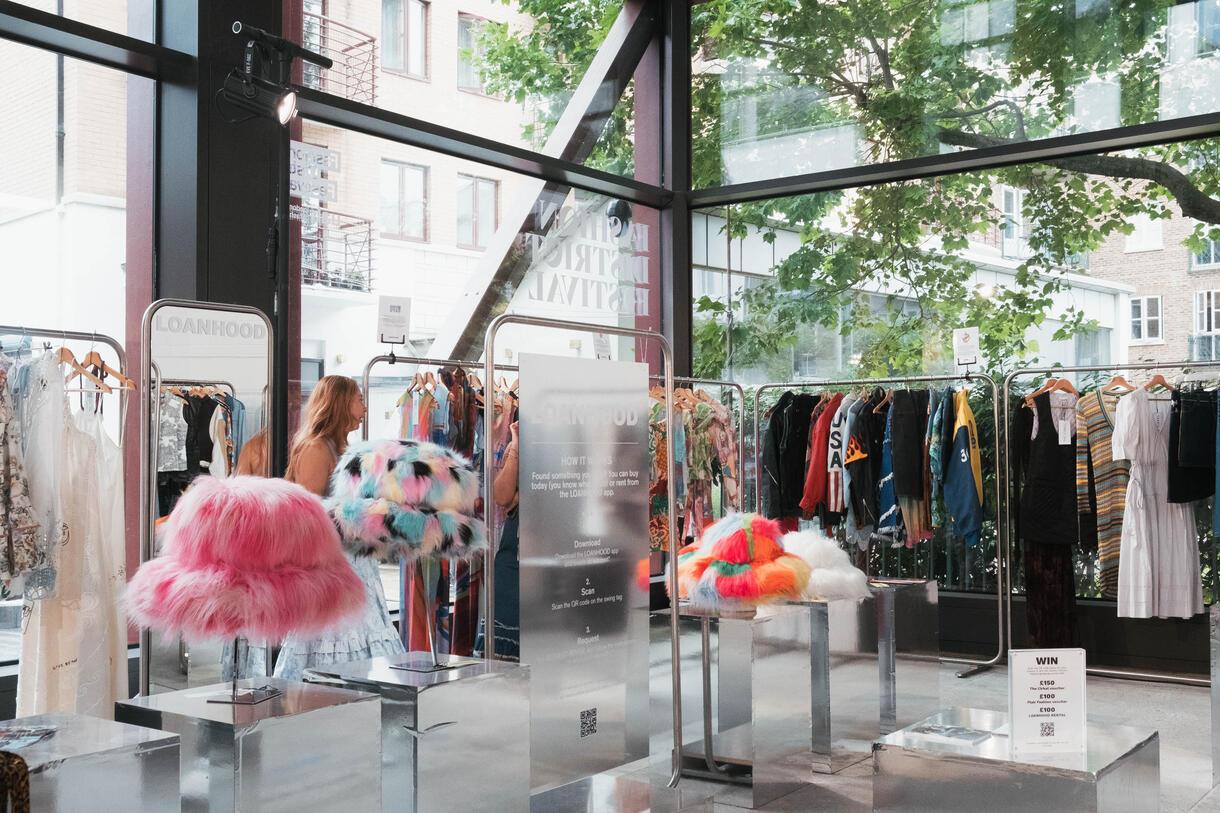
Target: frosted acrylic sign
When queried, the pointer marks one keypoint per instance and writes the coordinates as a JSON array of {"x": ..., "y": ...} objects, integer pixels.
[
  {"x": 393, "y": 319},
  {"x": 1046, "y": 701},
  {"x": 310, "y": 173},
  {"x": 966, "y": 346}
]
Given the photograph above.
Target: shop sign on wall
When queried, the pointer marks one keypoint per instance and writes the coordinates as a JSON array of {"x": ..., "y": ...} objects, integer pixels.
[
  {"x": 583, "y": 537},
  {"x": 1046, "y": 700},
  {"x": 311, "y": 173}
]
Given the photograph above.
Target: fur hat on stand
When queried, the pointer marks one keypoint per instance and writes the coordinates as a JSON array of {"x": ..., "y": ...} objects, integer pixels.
[
  {"x": 833, "y": 575},
  {"x": 739, "y": 564},
  {"x": 396, "y": 500},
  {"x": 246, "y": 556}
]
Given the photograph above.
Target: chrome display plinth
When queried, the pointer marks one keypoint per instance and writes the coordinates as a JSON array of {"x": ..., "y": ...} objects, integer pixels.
[
  {"x": 875, "y": 667},
  {"x": 309, "y": 748},
  {"x": 455, "y": 739},
  {"x": 85, "y": 763},
  {"x": 748, "y": 689},
  {"x": 1214, "y": 620},
  {"x": 959, "y": 760}
]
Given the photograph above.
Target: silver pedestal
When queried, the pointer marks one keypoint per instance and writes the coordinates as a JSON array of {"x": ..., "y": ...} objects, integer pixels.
[
  {"x": 875, "y": 667},
  {"x": 310, "y": 748},
  {"x": 959, "y": 760},
  {"x": 456, "y": 738},
  {"x": 84, "y": 763},
  {"x": 758, "y": 710}
]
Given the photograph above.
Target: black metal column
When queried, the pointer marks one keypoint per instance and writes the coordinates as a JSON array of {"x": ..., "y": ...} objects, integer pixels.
[{"x": 675, "y": 219}]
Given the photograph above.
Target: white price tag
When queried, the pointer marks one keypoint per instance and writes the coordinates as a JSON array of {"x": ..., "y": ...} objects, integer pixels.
[
  {"x": 393, "y": 319},
  {"x": 1066, "y": 435},
  {"x": 1046, "y": 700}
]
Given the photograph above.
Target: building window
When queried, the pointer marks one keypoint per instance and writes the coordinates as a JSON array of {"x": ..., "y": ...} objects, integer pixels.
[
  {"x": 1207, "y": 24},
  {"x": 1014, "y": 230},
  {"x": 1146, "y": 235},
  {"x": 404, "y": 37},
  {"x": 1208, "y": 256},
  {"x": 470, "y": 54},
  {"x": 1145, "y": 319},
  {"x": 1207, "y": 312},
  {"x": 404, "y": 201},
  {"x": 963, "y": 23},
  {"x": 478, "y": 213},
  {"x": 1093, "y": 347}
]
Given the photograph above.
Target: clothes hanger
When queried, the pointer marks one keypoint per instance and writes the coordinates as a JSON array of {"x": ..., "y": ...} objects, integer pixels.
[
  {"x": 1117, "y": 384},
  {"x": 888, "y": 397},
  {"x": 1065, "y": 385},
  {"x": 64, "y": 356},
  {"x": 94, "y": 359},
  {"x": 1159, "y": 380}
]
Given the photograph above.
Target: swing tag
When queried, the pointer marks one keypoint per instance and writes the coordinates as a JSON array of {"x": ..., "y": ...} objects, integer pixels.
[{"x": 1066, "y": 436}]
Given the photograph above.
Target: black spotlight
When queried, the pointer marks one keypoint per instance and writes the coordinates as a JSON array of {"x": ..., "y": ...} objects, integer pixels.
[
  {"x": 259, "y": 84},
  {"x": 618, "y": 216},
  {"x": 260, "y": 96}
]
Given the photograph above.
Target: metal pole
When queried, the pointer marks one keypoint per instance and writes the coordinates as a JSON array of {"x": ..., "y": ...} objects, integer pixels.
[
  {"x": 405, "y": 574},
  {"x": 1124, "y": 674},
  {"x": 148, "y": 466},
  {"x": 489, "y": 355},
  {"x": 1001, "y": 560}
]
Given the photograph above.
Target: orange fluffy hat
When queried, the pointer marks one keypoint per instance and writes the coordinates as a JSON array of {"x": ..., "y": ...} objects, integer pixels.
[{"x": 740, "y": 563}]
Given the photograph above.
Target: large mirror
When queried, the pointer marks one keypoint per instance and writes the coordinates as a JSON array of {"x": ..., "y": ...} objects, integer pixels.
[{"x": 207, "y": 371}]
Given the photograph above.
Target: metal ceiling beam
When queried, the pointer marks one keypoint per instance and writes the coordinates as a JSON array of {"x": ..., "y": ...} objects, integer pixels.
[
  {"x": 41, "y": 29},
  {"x": 1140, "y": 135},
  {"x": 362, "y": 118}
]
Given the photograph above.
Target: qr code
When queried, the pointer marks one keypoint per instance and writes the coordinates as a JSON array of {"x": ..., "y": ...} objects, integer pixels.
[
  {"x": 1047, "y": 730},
  {"x": 588, "y": 722}
]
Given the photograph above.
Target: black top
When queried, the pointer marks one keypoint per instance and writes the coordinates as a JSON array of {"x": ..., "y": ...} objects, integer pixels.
[
  {"x": 1048, "y": 502},
  {"x": 784, "y": 450},
  {"x": 1192, "y": 445}
]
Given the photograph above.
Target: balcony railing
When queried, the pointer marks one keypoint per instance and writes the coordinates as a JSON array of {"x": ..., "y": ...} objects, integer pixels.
[
  {"x": 354, "y": 75},
  {"x": 336, "y": 249}
]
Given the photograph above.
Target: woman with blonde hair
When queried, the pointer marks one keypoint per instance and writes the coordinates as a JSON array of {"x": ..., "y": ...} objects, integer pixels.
[{"x": 335, "y": 409}]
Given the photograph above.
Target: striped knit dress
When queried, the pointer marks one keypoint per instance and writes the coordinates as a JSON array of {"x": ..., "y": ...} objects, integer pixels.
[{"x": 1094, "y": 431}]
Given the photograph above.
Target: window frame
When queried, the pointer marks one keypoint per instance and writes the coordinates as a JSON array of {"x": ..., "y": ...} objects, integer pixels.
[
  {"x": 474, "y": 215},
  {"x": 1144, "y": 320},
  {"x": 404, "y": 69},
  {"x": 1195, "y": 265},
  {"x": 401, "y": 168},
  {"x": 481, "y": 89}
]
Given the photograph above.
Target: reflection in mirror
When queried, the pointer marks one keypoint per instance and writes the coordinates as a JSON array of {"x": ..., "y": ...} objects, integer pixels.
[{"x": 209, "y": 401}]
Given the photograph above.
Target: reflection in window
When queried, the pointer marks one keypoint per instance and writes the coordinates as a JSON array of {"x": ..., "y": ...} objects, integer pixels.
[
  {"x": 1093, "y": 347},
  {"x": 1207, "y": 256},
  {"x": 470, "y": 54},
  {"x": 962, "y": 23},
  {"x": 1207, "y": 22},
  {"x": 1145, "y": 319},
  {"x": 477, "y": 210},
  {"x": 404, "y": 32},
  {"x": 1013, "y": 229},
  {"x": 404, "y": 200}
]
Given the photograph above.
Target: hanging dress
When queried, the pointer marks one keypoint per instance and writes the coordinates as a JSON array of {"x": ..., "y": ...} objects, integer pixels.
[{"x": 1158, "y": 565}]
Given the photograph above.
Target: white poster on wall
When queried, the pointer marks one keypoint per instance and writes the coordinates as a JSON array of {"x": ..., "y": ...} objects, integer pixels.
[{"x": 1046, "y": 701}]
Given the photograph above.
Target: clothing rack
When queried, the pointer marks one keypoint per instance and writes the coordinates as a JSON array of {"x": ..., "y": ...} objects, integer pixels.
[
  {"x": 667, "y": 355},
  {"x": 76, "y": 335},
  {"x": 1007, "y": 526},
  {"x": 403, "y": 576},
  {"x": 977, "y": 666}
]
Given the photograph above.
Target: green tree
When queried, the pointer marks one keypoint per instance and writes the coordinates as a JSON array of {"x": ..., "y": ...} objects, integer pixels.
[{"x": 909, "y": 78}]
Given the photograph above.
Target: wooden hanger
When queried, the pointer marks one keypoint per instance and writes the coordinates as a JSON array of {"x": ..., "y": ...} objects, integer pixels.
[
  {"x": 516, "y": 386},
  {"x": 64, "y": 356},
  {"x": 475, "y": 382},
  {"x": 889, "y": 396},
  {"x": 1117, "y": 384},
  {"x": 1065, "y": 385},
  {"x": 94, "y": 359},
  {"x": 1159, "y": 380}
]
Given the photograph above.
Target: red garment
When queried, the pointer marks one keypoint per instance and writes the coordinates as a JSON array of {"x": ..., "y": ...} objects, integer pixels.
[{"x": 817, "y": 478}]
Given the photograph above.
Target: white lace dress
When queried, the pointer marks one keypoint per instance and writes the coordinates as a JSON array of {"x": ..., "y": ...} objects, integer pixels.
[{"x": 1158, "y": 564}]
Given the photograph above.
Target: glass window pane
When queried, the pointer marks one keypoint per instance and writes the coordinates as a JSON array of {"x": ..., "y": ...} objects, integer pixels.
[
  {"x": 390, "y": 219},
  {"x": 1137, "y": 331},
  {"x": 133, "y": 18},
  {"x": 531, "y": 67},
  {"x": 465, "y": 210},
  {"x": 415, "y": 202},
  {"x": 1154, "y": 306},
  {"x": 847, "y": 85},
  {"x": 393, "y": 37},
  {"x": 487, "y": 211},
  {"x": 1154, "y": 328},
  {"x": 417, "y": 38}
]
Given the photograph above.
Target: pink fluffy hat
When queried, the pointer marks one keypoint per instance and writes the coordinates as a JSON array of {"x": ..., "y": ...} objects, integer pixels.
[{"x": 246, "y": 556}]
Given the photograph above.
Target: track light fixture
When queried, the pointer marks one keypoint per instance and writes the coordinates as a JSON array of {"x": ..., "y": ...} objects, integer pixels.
[{"x": 259, "y": 84}]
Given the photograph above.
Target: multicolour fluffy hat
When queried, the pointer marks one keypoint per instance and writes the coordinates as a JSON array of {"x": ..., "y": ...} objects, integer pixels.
[
  {"x": 739, "y": 563},
  {"x": 395, "y": 500}
]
